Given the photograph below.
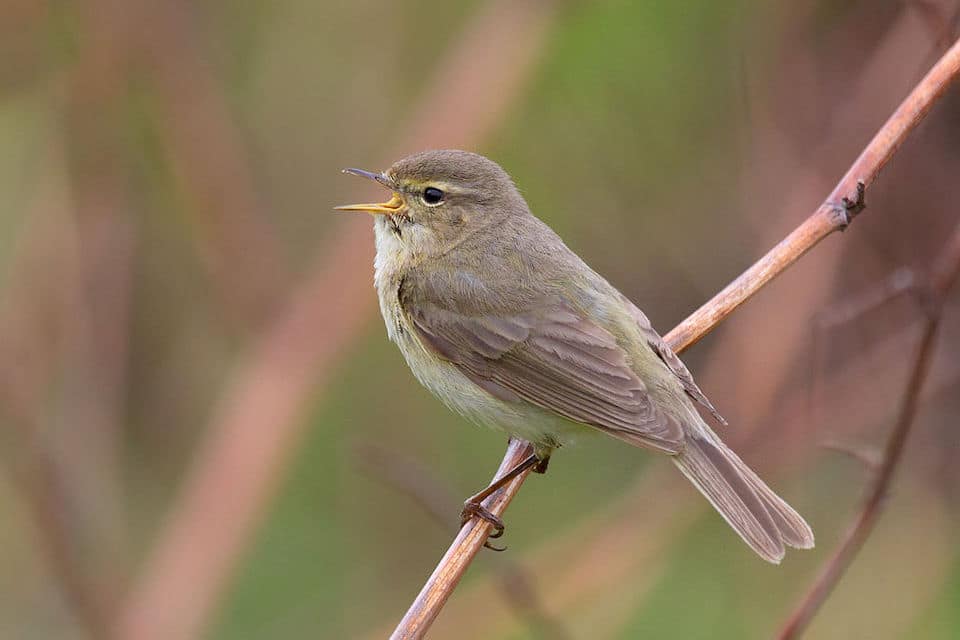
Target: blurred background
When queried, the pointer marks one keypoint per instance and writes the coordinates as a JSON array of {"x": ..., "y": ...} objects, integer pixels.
[{"x": 204, "y": 432}]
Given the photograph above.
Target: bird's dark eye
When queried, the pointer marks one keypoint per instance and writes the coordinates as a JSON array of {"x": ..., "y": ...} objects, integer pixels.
[{"x": 432, "y": 195}]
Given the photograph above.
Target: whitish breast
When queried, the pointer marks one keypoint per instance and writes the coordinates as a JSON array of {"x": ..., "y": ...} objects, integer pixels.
[{"x": 441, "y": 377}]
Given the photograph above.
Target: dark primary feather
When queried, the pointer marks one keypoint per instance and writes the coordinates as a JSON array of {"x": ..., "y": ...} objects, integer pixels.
[{"x": 673, "y": 362}]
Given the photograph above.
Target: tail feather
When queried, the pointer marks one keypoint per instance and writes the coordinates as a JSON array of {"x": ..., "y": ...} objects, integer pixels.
[
  {"x": 793, "y": 528},
  {"x": 764, "y": 521}
]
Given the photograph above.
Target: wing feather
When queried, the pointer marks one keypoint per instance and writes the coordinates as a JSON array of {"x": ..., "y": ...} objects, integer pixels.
[
  {"x": 555, "y": 359},
  {"x": 671, "y": 359}
]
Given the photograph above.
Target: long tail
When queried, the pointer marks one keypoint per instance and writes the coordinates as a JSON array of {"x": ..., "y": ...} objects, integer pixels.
[{"x": 761, "y": 517}]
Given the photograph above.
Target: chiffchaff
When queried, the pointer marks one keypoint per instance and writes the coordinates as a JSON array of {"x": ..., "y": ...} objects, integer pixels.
[{"x": 509, "y": 327}]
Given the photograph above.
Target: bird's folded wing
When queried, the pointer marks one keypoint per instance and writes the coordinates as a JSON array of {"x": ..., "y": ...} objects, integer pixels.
[
  {"x": 671, "y": 359},
  {"x": 555, "y": 359}
]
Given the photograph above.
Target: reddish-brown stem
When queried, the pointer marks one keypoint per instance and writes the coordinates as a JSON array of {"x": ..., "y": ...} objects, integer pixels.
[
  {"x": 516, "y": 585},
  {"x": 830, "y": 216},
  {"x": 942, "y": 277},
  {"x": 465, "y": 546}
]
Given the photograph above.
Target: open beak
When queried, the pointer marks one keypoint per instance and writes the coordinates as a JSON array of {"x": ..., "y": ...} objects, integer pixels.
[{"x": 390, "y": 207}]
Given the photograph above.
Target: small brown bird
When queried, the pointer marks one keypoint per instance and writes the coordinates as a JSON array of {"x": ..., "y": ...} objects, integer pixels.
[{"x": 509, "y": 327}]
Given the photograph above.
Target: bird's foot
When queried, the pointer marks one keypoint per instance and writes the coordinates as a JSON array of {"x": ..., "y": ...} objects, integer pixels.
[
  {"x": 472, "y": 510},
  {"x": 473, "y": 507}
]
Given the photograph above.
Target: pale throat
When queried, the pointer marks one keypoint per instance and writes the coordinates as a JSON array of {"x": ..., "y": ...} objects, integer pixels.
[{"x": 395, "y": 251}]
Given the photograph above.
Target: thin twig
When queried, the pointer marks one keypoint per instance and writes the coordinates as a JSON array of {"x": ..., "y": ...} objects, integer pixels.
[
  {"x": 516, "y": 586},
  {"x": 871, "y": 89},
  {"x": 869, "y": 458},
  {"x": 835, "y": 214},
  {"x": 465, "y": 546},
  {"x": 944, "y": 274},
  {"x": 900, "y": 282}
]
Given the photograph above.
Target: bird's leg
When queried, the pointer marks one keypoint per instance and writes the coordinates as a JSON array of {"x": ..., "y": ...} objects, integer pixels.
[
  {"x": 473, "y": 506},
  {"x": 542, "y": 463}
]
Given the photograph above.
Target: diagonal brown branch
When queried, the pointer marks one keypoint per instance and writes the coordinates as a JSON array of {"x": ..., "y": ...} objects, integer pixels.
[
  {"x": 832, "y": 215},
  {"x": 515, "y": 584},
  {"x": 935, "y": 290}
]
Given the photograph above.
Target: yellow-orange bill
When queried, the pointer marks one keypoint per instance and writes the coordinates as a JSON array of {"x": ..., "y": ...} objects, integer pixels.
[{"x": 389, "y": 207}]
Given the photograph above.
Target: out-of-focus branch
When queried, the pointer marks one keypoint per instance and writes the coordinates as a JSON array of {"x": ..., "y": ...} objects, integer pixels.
[
  {"x": 40, "y": 478},
  {"x": 237, "y": 467},
  {"x": 942, "y": 25},
  {"x": 237, "y": 245},
  {"x": 934, "y": 291},
  {"x": 871, "y": 88},
  {"x": 66, "y": 326},
  {"x": 32, "y": 334},
  {"x": 898, "y": 283},
  {"x": 97, "y": 288},
  {"x": 834, "y": 214},
  {"x": 831, "y": 215}
]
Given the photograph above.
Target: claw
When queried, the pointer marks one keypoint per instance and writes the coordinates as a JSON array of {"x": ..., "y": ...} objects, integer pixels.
[
  {"x": 476, "y": 510},
  {"x": 473, "y": 507}
]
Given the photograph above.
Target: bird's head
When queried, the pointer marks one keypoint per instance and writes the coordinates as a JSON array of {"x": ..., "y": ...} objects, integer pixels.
[{"x": 439, "y": 197}]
